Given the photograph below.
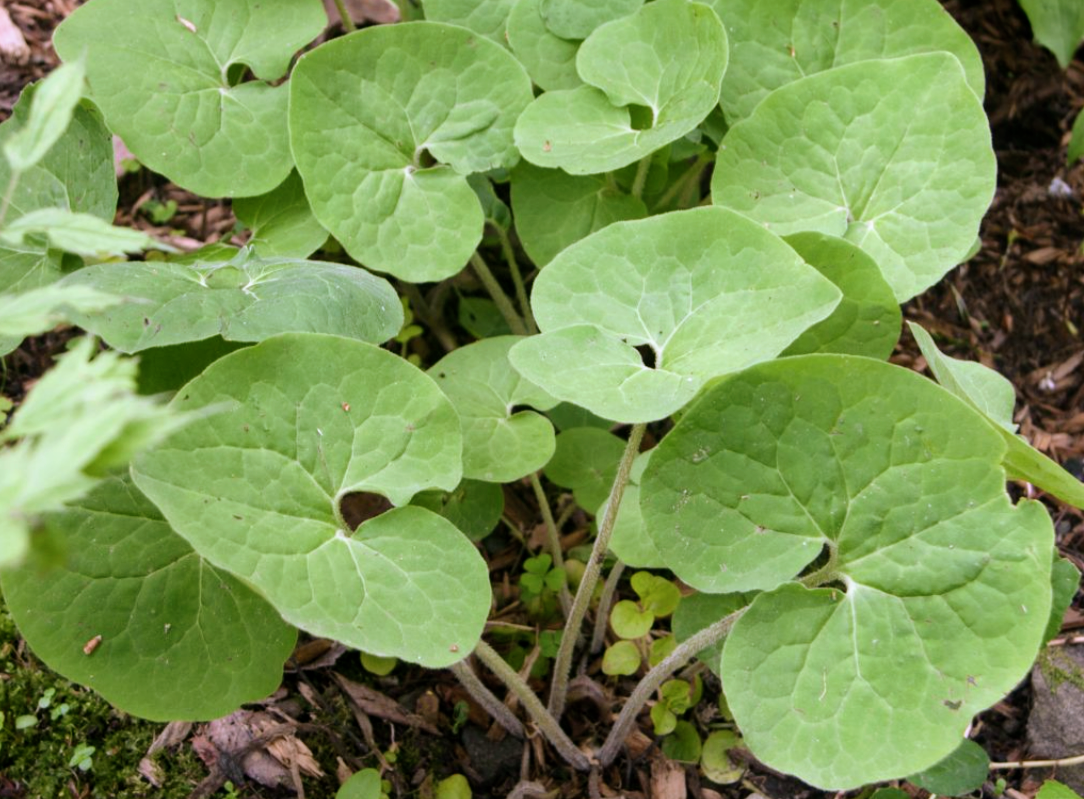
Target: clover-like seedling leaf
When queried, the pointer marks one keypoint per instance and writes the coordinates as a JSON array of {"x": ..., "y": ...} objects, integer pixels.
[
  {"x": 303, "y": 421},
  {"x": 385, "y": 125},
  {"x": 715, "y": 760},
  {"x": 474, "y": 506},
  {"x": 487, "y": 18},
  {"x": 548, "y": 59},
  {"x": 166, "y": 76},
  {"x": 994, "y": 396},
  {"x": 1058, "y": 26},
  {"x": 501, "y": 442},
  {"x": 76, "y": 174},
  {"x": 650, "y": 78},
  {"x": 704, "y": 291},
  {"x": 585, "y": 460},
  {"x": 554, "y": 209},
  {"x": 867, "y": 319},
  {"x": 657, "y": 594},
  {"x": 247, "y": 298},
  {"x": 281, "y": 221},
  {"x": 179, "y": 639},
  {"x": 631, "y": 621},
  {"x": 621, "y": 659},
  {"x": 893, "y": 155},
  {"x": 935, "y": 591},
  {"x": 774, "y": 44},
  {"x": 577, "y": 19}
]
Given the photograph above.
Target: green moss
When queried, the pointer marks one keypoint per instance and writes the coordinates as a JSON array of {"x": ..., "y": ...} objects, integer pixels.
[{"x": 1059, "y": 668}]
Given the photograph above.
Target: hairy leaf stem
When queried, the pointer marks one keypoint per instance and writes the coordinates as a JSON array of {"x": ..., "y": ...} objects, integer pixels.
[
  {"x": 484, "y": 697},
  {"x": 504, "y": 305},
  {"x": 684, "y": 652},
  {"x": 562, "y": 665},
  {"x": 688, "y": 177},
  {"x": 602, "y": 615},
  {"x": 553, "y": 537},
  {"x": 517, "y": 280},
  {"x": 533, "y": 705},
  {"x": 640, "y": 180}
]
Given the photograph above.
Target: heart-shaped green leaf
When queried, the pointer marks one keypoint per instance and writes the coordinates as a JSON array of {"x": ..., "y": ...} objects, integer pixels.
[
  {"x": 707, "y": 291},
  {"x": 488, "y": 18},
  {"x": 166, "y": 77},
  {"x": 576, "y": 19},
  {"x": 179, "y": 638},
  {"x": 370, "y": 112},
  {"x": 867, "y": 319},
  {"x": 554, "y": 209},
  {"x": 893, "y": 155},
  {"x": 500, "y": 442},
  {"x": 776, "y": 43},
  {"x": 548, "y": 59},
  {"x": 304, "y": 420},
  {"x": 281, "y": 221},
  {"x": 935, "y": 592},
  {"x": 245, "y": 299},
  {"x": 652, "y": 77}
]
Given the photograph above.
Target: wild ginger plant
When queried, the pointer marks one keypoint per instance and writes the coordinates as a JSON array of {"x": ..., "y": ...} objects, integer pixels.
[{"x": 865, "y": 583}]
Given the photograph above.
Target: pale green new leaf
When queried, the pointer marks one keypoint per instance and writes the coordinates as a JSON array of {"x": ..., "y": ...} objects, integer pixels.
[
  {"x": 256, "y": 489},
  {"x": 893, "y": 155},
  {"x": 245, "y": 299},
  {"x": 707, "y": 291},
  {"x": 577, "y": 19},
  {"x": 38, "y": 310},
  {"x": 179, "y": 638},
  {"x": 652, "y": 77},
  {"x": 281, "y": 221},
  {"x": 501, "y": 442},
  {"x": 548, "y": 59},
  {"x": 82, "y": 234},
  {"x": 486, "y": 17},
  {"x": 166, "y": 78},
  {"x": 779, "y": 42},
  {"x": 1058, "y": 26},
  {"x": 370, "y": 112},
  {"x": 554, "y": 209},
  {"x": 50, "y": 114},
  {"x": 937, "y": 589}
]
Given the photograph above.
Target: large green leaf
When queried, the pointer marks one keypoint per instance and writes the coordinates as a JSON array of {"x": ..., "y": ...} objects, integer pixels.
[
  {"x": 1058, "y": 26},
  {"x": 548, "y": 59},
  {"x": 501, "y": 442},
  {"x": 554, "y": 209},
  {"x": 179, "y": 638},
  {"x": 652, "y": 77},
  {"x": 245, "y": 299},
  {"x": 76, "y": 174},
  {"x": 577, "y": 19},
  {"x": 304, "y": 420},
  {"x": 707, "y": 291},
  {"x": 893, "y": 155},
  {"x": 370, "y": 112},
  {"x": 779, "y": 42},
  {"x": 488, "y": 17},
  {"x": 281, "y": 221},
  {"x": 166, "y": 76},
  {"x": 935, "y": 593}
]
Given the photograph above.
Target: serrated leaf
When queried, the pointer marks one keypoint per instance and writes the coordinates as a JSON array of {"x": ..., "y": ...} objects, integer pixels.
[
  {"x": 475, "y": 507},
  {"x": 784, "y": 41},
  {"x": 82, "y": 234},
  {"x": 548, "y": 59},
  {"x": 867, "y": 319},
  {"x": 1058, "y": 26},
  {"x": 164, "y": 75},
  {"x": 256, "y": 489},
  {"x": 54, "y": 104},
  {"x": 585, "y": 460},
  {"x": 577, "y": 19},
  {"x": 652, "y": 77},
  {"x": 938, "y": 587},
  {"x": 281, "y": 221},
  {"x": 892, "y": 155},
  {"x": 371, "y": 110},
  {"x": 245, "y": 299},
  {"x": 179, "y": 638},
  {"x": 34, "y": 312},
  {"x": 488, "y": 18},
  {"x": 501, "y": 442},
  {"x": 707, "y": 291},
  {"x": 554, "y": 209},
  {"x": 963, "y": 771}
]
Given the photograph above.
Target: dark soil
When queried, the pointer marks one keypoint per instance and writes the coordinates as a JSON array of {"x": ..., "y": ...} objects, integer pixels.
[{"x": 1017, "y": 306}]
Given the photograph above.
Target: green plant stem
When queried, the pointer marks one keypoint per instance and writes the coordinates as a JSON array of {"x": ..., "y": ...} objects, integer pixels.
[
  {"x": 427, "y": 317},
  {"x": 348, "y": 23},
  {"x": 493, "y": 706},
  {"x": 1075, "y": 760},
  {"x": 554, "y": 539},
  {"x": 504, "y": 305},
  {"x": 533, "y": 705},
  {"x": 9, "y": 192},
  {"x": 602, "y": 615},
  {"x": 562, "y": 665},
  {"x": 690, "y": 175},
  {"x": 640, "y": 180},
  {"x": 684, "y": 652},
  {"x": 517, "y": 280}
]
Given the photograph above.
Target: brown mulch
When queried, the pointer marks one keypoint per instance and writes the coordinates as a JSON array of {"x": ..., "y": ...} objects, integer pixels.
[{"x": 1017, "y": 306}]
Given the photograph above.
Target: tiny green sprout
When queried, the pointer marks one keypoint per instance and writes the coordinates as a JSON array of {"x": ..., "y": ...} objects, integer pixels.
[
  {"x": 81, "y": 757},
  {"x": 539, "y": 577},
  {"x": 408, "y": 333},
  {"x": 460, "y": 716},
  {"x": 621, "y": 659},
  {"x": 660, "y": 648},
  {"x": 380, "y": 666},
  {"x": 159, "y": 212}
]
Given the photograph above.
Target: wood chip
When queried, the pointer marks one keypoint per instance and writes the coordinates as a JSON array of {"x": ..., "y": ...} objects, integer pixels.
[{"x": 374, "y": 703}]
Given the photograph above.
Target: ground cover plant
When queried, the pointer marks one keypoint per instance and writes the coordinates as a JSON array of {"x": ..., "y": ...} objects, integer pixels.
[{"x": 844, "y": 521}]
